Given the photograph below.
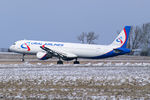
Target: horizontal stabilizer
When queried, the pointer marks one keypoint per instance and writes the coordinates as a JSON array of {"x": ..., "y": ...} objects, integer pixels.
[{"x": 122, "y": 50}]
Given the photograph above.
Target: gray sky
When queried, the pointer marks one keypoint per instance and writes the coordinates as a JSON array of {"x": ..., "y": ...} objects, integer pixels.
[{"x": 64, "y": 20}]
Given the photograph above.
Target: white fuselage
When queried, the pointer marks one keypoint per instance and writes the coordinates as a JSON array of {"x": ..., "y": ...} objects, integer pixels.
[{"x": 81, "y": 50}]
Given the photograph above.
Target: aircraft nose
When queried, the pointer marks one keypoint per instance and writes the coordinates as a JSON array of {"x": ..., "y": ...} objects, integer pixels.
[{"x": 11, "y": 48}]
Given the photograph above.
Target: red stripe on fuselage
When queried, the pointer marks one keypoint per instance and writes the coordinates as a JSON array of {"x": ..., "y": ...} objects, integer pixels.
[{"x": 28, "y": 47}]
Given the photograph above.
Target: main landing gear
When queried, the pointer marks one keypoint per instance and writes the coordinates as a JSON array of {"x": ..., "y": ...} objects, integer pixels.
[
  {"x": 59, "y": 61},
  {"x": 76, "y": 62}
]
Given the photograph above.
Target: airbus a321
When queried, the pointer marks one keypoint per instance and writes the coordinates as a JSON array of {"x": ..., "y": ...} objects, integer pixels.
[{"x": 70, "y": 51}]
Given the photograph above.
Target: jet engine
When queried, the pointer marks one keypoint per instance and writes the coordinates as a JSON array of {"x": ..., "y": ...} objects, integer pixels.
[{"x": 43, "y": 55}]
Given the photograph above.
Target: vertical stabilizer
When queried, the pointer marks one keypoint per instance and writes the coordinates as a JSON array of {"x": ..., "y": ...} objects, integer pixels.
[{"x": 121, "y": 40}]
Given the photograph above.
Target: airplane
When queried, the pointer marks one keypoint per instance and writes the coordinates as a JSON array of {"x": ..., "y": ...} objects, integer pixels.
[{"x": 70, "y": 51}]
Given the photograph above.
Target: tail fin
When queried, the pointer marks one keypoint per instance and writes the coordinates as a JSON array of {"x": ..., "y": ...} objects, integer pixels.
[{"x": 121, "y": 40}]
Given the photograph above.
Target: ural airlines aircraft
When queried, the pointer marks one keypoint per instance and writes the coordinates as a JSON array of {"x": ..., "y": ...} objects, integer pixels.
[{"x": 69, "y": 51}]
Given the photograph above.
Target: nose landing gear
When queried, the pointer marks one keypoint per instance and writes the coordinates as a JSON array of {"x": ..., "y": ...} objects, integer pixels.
[
  {"x": 22, "y": 59},
  {"x": 59, "y": 62}
]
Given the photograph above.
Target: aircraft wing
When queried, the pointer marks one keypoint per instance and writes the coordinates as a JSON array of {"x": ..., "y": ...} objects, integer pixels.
[{"x": 59, "y": 53}]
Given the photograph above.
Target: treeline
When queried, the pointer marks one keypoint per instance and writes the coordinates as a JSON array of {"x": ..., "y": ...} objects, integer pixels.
[
  {"x": 3, "y": 49},
  {"x": 139, "y": 40},
  {"x": 87, "y": 38}
]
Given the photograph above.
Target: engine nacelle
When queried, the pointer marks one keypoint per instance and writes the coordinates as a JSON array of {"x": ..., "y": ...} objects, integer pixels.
[{"x": 43, "y": 55}]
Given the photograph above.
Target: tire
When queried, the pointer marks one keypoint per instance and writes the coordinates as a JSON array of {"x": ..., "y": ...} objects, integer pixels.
[
  {"x": 76, "y": 62},
  {"x": 22, "y": 60},
  {"x": 60, "y": 62}
]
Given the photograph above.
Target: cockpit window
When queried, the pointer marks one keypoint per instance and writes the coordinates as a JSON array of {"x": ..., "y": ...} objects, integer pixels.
[{"x": 14, "y": 44}]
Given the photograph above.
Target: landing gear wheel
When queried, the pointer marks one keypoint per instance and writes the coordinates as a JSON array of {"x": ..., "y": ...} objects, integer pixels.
[
  {"x": 76, "y": 62},
  {"x": 59, "y": 62},
  {"x": 22, "y": 59}
]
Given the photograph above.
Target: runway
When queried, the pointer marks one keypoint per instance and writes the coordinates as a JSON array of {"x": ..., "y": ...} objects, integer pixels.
[{"x": 107, "y": 79}]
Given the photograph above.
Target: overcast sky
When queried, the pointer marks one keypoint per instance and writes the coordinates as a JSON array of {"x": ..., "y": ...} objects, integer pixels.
[{"x": 64, "y": 20}]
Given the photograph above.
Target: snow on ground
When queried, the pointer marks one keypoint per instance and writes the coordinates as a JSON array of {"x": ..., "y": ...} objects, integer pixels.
[
  {"x": 100, "y": 71},
  {"x": 94, "y": 81}
]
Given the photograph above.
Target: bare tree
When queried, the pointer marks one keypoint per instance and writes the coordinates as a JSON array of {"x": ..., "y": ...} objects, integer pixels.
[
  {"x": 91, "y": 37},
  {"x": 82, "y": 37},
  {"x": 146, "y": 32},
  {"x": 88, "y": 38},
  {"x": 139, "y": 38},
  {"x": 146, "y": 39}
]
